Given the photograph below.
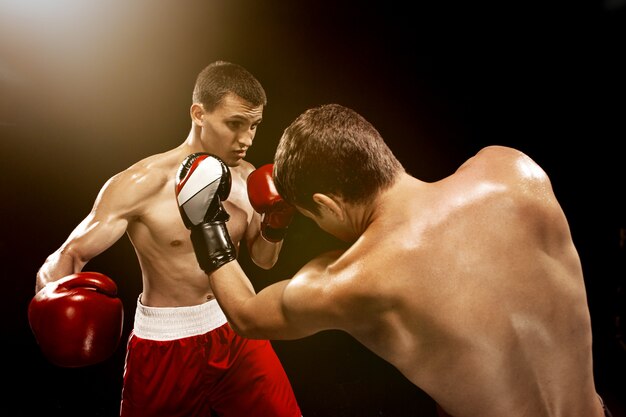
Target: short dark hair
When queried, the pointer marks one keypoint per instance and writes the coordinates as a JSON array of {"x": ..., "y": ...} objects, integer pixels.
[
  {"x": 331, "y": 149},
  {"x": 220, "y": 78}
]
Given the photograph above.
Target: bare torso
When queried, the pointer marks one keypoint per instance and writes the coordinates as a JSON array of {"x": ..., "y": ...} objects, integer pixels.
[
  {"x": 170, "y": 272},
  {"x": 473, "y": 289}
]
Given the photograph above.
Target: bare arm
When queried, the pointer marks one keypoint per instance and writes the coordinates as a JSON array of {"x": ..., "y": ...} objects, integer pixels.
[
  {"x": 263, "y": 253},
  {"x": 103, "y": 226},
  {"x": 288, "y": 309}
]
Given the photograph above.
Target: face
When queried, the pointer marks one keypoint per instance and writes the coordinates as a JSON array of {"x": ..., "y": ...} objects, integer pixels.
[{"x": 228, "y": 131}]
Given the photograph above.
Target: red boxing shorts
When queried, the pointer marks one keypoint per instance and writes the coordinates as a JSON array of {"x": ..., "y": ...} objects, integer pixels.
[{"x": 188, "y": 362}]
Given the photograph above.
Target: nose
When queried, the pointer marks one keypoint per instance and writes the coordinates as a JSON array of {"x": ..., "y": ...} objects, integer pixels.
[{"x": 245, "y": 140}]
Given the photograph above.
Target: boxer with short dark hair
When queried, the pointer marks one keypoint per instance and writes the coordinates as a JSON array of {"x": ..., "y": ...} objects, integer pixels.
[
  {"x": 182, "y": 358},
  {"x": 471, "y": 286}
]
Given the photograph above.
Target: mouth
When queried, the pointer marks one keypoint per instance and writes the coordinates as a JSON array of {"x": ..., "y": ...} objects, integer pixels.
[{"x": 241, "y": 153}]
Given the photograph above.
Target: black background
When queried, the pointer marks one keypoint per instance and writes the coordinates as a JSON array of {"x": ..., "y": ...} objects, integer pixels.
[{"x": 88, "y": 88}]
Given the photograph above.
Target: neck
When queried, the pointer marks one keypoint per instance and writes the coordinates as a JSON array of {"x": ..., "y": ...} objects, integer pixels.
[
  {"x": 193, "y": 141},
  {"x": 361, "y": 216},
  {"x": 368, "y": 213}
]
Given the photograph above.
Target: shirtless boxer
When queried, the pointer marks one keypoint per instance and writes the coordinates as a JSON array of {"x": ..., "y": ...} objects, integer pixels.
[
  {"x": 471, "y": 286},
  {"x": 182, "y": 358}
]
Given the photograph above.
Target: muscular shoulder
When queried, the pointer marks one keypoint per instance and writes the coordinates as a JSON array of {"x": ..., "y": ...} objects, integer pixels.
[
  {"x": 139, "y": 182},
  {"x": 509, "y": 163},
  {"x": 316, "y": 290},
  {"x": 335, "y": 288},
  {"x": 510, "y": 181},
  {"x": 503, "y": 168}
]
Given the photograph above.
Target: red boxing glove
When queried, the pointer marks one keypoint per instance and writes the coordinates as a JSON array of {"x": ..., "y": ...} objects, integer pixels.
[
  {"x": 77, "y": 320},
  {"x": 277, "y": 214}
]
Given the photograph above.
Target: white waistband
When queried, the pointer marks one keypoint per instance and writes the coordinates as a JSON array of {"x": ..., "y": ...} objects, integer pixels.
[{"x": 170, "y": 323}]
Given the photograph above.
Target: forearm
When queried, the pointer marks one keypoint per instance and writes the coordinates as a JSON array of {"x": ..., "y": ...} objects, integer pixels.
[
  {"x": 251, "y": 315},
  {"x": 263, "y": 253},
  {"x": 232, "y": 288},
  {"x": 58, "y": 265}
]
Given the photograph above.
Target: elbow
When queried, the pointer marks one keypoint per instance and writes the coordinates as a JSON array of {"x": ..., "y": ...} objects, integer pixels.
[
  {"x": 264, "y": 264},
  {"x": 249, "y": 326},
  {"x": 264, "y": 261}
]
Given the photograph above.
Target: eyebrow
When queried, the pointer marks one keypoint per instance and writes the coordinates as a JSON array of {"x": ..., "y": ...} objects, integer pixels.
[{"x": 245, "y": 118}]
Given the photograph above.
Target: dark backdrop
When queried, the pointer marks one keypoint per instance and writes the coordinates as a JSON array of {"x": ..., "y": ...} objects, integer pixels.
[{"x": 88, "y": 88}]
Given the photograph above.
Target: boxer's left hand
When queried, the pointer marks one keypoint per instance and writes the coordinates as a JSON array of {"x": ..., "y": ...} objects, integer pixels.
[{"x": 277, "y": 214}]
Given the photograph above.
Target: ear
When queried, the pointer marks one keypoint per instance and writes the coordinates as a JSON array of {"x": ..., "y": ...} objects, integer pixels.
[
  {"x": 197, "y": 112},
  {"x": 330, "y": 204}
]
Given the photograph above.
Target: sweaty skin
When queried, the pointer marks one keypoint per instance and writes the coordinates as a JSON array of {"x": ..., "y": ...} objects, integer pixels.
[
  {"x": 141, "y": 202},
  {"x": 471, "y": 286}
]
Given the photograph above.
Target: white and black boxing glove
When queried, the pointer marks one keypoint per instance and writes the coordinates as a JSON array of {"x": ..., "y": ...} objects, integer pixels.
[{"x": 203, "y": 181}]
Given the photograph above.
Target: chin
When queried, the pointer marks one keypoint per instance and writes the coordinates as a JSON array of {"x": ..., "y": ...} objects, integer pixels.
[{"x": 233, "y": 162}]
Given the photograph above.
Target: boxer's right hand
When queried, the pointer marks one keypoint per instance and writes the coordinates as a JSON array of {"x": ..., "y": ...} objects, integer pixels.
[
  {"x": 203, "y": 181},
  {"x": 77, "y": 320}
]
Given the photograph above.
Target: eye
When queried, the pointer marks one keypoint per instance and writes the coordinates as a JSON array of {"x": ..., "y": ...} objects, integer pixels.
[{"x": 234, "y": 124}]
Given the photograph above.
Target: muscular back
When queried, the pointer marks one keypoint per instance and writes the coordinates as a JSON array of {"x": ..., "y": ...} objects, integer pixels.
[{"x": 472, "y": 287}]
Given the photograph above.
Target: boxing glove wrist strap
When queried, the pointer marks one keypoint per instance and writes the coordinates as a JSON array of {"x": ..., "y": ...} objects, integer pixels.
[{"x": 212, "y": 245}]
